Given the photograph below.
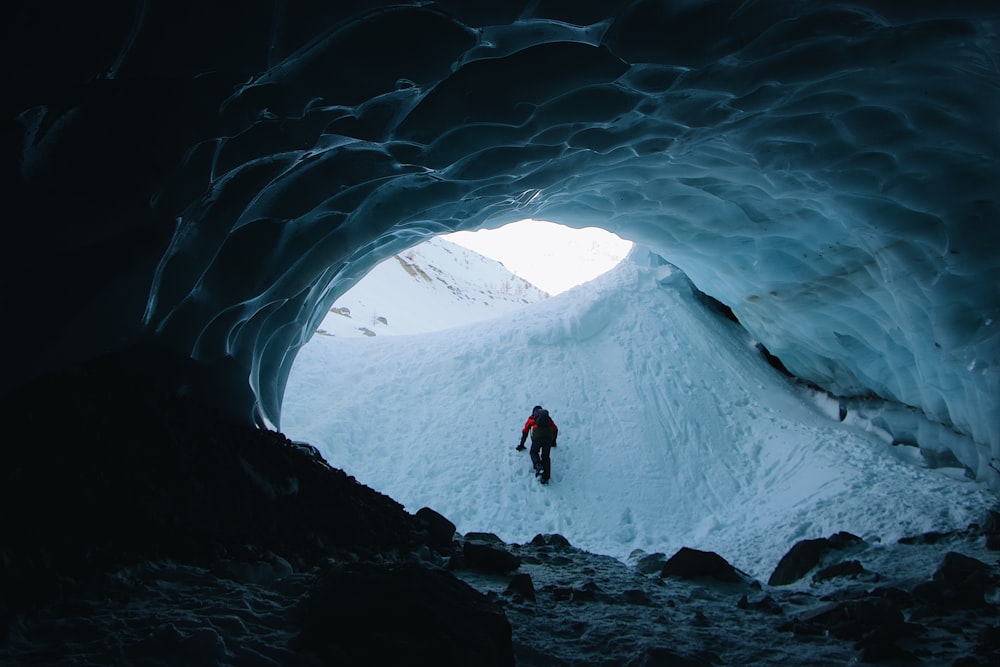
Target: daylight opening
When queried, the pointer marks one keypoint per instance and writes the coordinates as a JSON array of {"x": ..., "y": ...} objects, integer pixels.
[
  {"x": 467, "y": 277},
  {"x": 550, "y": 256}
]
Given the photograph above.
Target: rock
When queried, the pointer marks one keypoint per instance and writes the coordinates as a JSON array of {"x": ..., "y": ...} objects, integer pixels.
[
  {"x": 521, "y": 587},
  {"x": 766, "y": 604},
  {"x": 856, "y": 619},
  {"x": 844, "y": 540},
  {"x": 440, "y": 531},
  {"x": 959, "y": 583},
  {"x": 488, "y": 538},
  {"x": 489, "y": 558},
  {"x": 589, "y": 592},
  {"x": 658, "y": 656},
  {"x": 932, "y": 537},
  {"x": 402, "y": 614},
  {"x": 988, "y": 642},
  {"x": 155, "y": 476},
  {"x": 550, "y": 540},
  {"x": 263, "y": 568},
  {"x": 807, "y": 554},
  {"x": 898, "y": 596},
  {"x": 668, "y": 657},
  {"x": 694, "y": 564},
  {"x": 637, "y": 596},
  {"x": 886, "y": 651},
  {"x": 960, "y": 570},
  {"x": 842, "y": 569},
  {"x": 801, "y": 558},
  {"x": 562, "y": 594},
  {"x": 651, "y": 564},
  {"x": 991, "y": 525}
]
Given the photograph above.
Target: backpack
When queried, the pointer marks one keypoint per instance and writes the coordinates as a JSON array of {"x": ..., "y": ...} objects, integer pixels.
[{"x": 543, "y": 424}]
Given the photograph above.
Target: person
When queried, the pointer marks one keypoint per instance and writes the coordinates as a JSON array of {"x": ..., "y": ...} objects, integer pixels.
[{"x": 544, "y": 433}]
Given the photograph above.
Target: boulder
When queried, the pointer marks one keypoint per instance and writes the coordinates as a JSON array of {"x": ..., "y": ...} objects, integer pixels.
[
  {"x": 766, "y": 604},
  {"x": 807, "y": 554},
  {"x": 650, "y": 563},
  {"x": 694, "y": 564},
  {"x": 854, "y": 620},
  {"x": 521, "y": 587},
  {"x": 488, "y": 538},
  {"x": 991, "y": 529},
  {"x": 489, "y": 558},
  {"x": 368, "y": 614},
  {"x": 661, "y": 656},
  {"x": 549, "y": 540},
  {"x": 960, "y": 582},
  {"x": 440, "y": 531}
]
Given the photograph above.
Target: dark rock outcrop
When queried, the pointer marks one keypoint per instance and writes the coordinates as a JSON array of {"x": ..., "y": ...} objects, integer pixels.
[
  {"x": 765, "y": 604},
  {"x": 521, "y": 587},
  {"x": 489, "y": 558},
  {"x": 650, "y": 563},
  {"x": 694, "y": 564},
  {"x": 440, "y": 530},
  {"x": 891, "y": 625},
  {"x": 125, "y": 474},
  {"x": 991, "y": 529},
  {"x": 807, "y": 554},
  {"x": 550, "y": 540},
  {"x": 960, "y": 582},
  {"x": 366, "y": 614},
  {"x": 661, "y": 656},
  {"x": 876, "y": 624},
  {"x": 485, "y": 538}
]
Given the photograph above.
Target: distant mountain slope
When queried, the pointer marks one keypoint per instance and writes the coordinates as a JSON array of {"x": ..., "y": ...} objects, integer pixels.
[{"x": 436, "y": 285}]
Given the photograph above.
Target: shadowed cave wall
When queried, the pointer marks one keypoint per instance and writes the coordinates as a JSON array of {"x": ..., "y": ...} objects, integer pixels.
[{"x": 193, "y": 186}]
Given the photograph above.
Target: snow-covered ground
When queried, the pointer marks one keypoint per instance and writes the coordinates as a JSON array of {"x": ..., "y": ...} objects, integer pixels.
[{"x": 674, "y": 431}]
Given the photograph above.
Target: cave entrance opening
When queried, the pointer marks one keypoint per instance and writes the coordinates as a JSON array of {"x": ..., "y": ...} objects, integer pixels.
[
  {"x": 465, "y": 277},
  {"x": 551, "y": 256}
]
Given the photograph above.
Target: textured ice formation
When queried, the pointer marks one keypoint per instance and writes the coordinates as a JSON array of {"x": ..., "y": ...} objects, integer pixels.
[{"x": 197, "y": 186}]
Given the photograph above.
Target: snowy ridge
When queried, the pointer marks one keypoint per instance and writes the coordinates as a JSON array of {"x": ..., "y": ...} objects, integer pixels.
[
  {"x": 670, "y": 436},
  {"x": 435, "y": 285}
]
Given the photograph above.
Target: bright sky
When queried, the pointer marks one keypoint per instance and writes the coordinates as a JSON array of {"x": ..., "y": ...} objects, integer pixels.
[{"x": 550, "y": 256}]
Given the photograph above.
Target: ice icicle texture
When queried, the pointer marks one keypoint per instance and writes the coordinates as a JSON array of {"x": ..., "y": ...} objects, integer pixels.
[{"x": 194, "y": 194}]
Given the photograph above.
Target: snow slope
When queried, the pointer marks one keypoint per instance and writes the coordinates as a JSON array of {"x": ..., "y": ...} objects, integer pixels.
[
  {"x": 435, "y": 285},
  {"x": 674, "y": 431}
]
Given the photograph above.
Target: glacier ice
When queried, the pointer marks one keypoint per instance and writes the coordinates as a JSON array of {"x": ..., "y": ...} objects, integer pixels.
[{"x": 197, "y": 193}]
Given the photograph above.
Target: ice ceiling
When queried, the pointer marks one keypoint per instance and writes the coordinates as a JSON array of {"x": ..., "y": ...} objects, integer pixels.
[{"x": 195, "y": 186}]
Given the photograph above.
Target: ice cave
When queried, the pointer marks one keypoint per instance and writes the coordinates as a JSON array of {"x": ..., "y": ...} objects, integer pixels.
[{"x": 192, "y": 187}]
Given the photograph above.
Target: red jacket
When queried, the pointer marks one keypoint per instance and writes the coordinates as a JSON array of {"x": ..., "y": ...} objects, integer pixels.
[{"x": 530, "y": 424}]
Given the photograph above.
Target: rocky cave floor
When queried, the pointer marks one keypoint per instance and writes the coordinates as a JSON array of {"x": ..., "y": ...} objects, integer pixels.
[
  {"x": 156, "y": 533},
  {"x": 564, "y": 607},
  {"x": 653, "y": 610}
]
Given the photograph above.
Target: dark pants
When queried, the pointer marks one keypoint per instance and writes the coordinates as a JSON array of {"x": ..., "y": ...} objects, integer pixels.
[{"x": 540, "y": 456}]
